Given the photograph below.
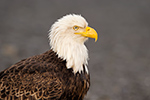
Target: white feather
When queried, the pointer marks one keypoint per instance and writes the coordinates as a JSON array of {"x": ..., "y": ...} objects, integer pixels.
[{"x": 67, "y": 45}]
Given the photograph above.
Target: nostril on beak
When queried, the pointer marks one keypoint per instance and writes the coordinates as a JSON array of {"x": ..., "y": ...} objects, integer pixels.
[{"x": 88, "y": 29}]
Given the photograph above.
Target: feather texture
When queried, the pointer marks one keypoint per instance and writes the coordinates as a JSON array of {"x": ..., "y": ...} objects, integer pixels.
[{"x": 43, "y": 77}]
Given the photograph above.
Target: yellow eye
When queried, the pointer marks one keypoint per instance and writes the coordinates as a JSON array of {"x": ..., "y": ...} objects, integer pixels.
[{"x": 76, "y": 28}]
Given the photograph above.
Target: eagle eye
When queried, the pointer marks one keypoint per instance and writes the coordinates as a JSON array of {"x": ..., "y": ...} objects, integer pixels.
[{"x": 76, "y": 28}]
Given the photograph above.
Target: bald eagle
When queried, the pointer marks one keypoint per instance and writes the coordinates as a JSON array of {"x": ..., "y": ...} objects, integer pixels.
[{"x": 58, "y": 74}]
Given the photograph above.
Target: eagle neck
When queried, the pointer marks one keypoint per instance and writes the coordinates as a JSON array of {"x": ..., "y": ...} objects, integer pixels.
[{"x": 75, "y": 54}]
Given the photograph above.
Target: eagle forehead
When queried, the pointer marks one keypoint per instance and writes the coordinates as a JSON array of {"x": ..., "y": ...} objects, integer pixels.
[{"x": 73, "y": 19}]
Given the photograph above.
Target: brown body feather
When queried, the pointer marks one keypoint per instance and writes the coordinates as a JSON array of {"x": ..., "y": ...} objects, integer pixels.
[{"x": 42, "y": 77}]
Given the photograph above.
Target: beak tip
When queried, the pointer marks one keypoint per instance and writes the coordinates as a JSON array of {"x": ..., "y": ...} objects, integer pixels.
[{"x": 95, "y": 39}]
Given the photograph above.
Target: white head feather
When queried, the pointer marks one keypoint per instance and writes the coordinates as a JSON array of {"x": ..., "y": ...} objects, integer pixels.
[{"x": 68, "y": 45}]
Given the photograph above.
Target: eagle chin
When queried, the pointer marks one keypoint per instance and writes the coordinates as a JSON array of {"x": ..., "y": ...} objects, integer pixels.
[{"x": 58, "y": 74}]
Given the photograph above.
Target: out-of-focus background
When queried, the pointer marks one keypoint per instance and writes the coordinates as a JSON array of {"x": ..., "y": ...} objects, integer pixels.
[{"x": 120, "y": 60}]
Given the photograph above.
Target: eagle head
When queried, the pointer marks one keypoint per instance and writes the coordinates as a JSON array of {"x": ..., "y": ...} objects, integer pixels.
[{"x": 67, "y": 36}]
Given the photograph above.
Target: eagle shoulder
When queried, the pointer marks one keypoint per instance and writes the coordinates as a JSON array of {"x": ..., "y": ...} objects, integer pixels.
[{"x": 32, "y": 78}]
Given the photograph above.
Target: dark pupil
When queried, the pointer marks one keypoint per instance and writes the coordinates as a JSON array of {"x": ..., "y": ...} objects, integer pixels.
[{"x": 76, "y": 27}]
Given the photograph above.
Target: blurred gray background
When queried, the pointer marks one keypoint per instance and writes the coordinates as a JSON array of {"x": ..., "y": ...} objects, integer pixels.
[{"x": 120, "y": 60}]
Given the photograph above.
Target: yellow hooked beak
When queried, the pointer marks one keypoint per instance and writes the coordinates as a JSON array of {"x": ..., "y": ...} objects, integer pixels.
[{"x": 89, "y": 32}]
